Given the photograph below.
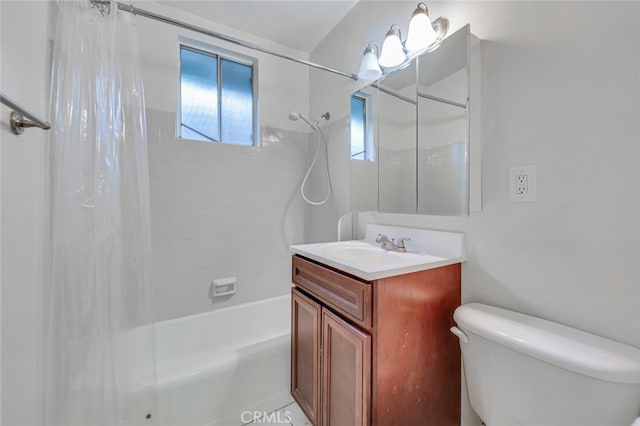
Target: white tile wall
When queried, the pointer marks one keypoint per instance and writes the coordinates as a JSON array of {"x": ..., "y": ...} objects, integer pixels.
[{"x": 220, "y": 210}]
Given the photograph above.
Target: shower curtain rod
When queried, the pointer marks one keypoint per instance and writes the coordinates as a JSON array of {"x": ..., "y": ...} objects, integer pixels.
[{"x": 145, "y": 13}]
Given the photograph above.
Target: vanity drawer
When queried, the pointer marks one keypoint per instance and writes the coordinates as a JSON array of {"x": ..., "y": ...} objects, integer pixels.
[{"x": 345, "y": 295}]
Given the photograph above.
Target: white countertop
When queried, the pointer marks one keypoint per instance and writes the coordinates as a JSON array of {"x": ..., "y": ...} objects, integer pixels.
[{"x": 363, "y": 258}]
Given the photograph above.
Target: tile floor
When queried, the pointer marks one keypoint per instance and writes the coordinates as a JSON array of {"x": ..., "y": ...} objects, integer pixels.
[{"x": 289, "y": 415}]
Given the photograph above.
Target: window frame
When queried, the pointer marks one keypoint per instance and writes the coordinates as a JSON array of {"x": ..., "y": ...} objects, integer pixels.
[
  {"x": 219, "y": 53},
  {"x": 369, "y": 134}
]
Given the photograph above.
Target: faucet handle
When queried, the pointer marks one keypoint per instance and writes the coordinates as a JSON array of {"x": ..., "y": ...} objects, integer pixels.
[
  {"x": 381, "y": 238},
  {"x": 401, "y": 241}
]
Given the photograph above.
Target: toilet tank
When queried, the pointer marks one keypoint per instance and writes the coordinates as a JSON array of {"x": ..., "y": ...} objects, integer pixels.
[{"x": 523, "y": 370}]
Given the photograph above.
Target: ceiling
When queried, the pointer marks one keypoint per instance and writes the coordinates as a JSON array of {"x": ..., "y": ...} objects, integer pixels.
[{"x": 300, "y": 24}]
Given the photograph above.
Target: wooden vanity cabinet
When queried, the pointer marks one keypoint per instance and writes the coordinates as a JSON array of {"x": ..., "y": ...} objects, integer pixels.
[
  {"x": 375, "y": 352},
  {"x": 306, "y": 321}
]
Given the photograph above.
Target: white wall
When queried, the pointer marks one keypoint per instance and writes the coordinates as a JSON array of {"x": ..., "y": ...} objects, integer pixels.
[
  {"x": 560, "y": 90},
  {"x": 221, "y": 210},
  {"x": 25, "y": 78}
]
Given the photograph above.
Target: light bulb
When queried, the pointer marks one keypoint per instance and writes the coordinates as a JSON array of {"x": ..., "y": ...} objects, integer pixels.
[
  {"x": 392, "y": 53},
  {"x": 421, "y": 33},
  {"x": 369, "y": 68}
]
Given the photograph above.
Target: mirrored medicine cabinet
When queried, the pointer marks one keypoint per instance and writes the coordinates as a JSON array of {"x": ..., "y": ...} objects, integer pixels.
[{"x": 415, "y": 134}]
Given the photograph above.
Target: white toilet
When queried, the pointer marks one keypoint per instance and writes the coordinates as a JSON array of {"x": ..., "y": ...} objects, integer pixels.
[{"x": 522, "y": 370}]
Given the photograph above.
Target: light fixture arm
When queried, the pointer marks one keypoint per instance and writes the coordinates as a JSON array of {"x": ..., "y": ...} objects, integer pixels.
[{"x": 441, "y": 27}]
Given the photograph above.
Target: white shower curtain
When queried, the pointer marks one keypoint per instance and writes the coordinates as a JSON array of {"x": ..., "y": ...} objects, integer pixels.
[{"x": 99, "y": 363}]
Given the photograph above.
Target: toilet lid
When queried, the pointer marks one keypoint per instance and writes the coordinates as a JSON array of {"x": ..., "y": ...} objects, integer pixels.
[{"x": 557, "y": 344}]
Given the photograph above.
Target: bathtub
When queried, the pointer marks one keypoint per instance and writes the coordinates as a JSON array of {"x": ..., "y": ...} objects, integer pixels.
[{"x": 215, "y": 366}]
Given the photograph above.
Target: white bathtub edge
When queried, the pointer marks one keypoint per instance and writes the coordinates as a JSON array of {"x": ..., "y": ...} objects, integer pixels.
[{"x": 222, "y": 310}]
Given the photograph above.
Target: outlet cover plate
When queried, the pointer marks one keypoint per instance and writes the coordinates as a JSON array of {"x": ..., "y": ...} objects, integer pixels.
[{"x": 523, "y": 184}]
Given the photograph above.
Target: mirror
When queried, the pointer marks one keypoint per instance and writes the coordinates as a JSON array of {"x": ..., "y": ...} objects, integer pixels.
[
  {"x": 420, "y": 129},
  {"x": 364, "y": 165},
  {"x": 443, "y": 132},
  {"x": 397, "y": 141}
]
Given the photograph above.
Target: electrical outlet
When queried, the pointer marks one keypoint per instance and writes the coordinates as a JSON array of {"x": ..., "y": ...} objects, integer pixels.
[{"x": 522, "y": 184}]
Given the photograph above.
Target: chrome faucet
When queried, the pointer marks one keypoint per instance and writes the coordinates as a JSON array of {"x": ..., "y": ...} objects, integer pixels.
[{"x": 390, "y": 244}]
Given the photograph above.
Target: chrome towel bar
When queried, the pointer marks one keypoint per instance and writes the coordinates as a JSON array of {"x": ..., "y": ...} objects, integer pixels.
[{"x": 21, "y": 117}]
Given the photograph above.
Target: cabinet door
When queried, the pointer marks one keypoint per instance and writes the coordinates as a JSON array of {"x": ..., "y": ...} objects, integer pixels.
[
  {"x": 346, "y": 373},
  {"x": 305, "y": 354}
]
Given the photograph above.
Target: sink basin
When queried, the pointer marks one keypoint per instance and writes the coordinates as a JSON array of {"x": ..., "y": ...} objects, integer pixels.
[{"x": 369, "y": 254}]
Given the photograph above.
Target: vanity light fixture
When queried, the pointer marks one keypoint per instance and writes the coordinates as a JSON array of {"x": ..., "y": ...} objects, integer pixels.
[
  {"x": 369, "y": 68},
  {"x": 423, "y": 36},
  {"x": 421, "y": 33},
  {"x": 392, "y": 53}
]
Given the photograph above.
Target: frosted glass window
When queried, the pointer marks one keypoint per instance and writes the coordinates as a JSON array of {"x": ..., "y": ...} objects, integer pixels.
[
  {"x": 358, "y": 128},
  {"x": 216, "y": 98},
  {"x": 199, "y": 95},
  {"x": 237, "y": 102}
]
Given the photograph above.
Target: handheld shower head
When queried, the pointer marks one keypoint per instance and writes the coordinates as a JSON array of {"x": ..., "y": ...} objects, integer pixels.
[{"x": 295, "y": 115}]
